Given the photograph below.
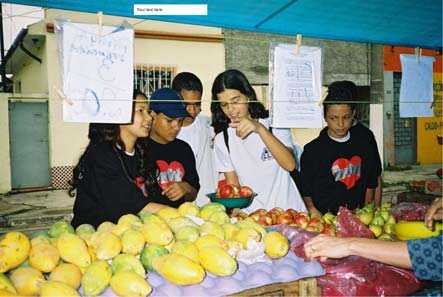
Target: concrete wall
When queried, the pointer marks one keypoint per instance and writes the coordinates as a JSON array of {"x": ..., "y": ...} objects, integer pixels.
[
  {"x": 5, "y": 161},
  {"x": 33, "y": 75}
]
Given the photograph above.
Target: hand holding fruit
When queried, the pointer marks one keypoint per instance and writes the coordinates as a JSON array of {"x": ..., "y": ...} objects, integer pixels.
[{"x": 434, "y": 212}]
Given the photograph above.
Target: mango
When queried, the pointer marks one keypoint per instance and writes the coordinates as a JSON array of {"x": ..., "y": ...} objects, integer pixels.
[
  {"x": 178, "y": 223},
  {"x": 6, "y": 293},
  {"x": 57, "y": 289},
  {"x": 167, "y": 213},
  {"x": 209, "y": 240},
  {"x": 217, "y": 261},
  {"x": 156, "y": 231},
  {"x": 243, "y": 235},
  {"x": 130, "y": 220},
  {"x": 127, "y": 262},
  {"x": 219, "y": 217},
  {"x": 14, "y": 249},
  {"x": 208, "y": 209},
  {"x": 67, "y": 273},
  {"x": 187, "y": 234},
  {"x": 276, "y": 245},
  {"x": 44, "y": 257},
  {"x": 96, "y": 278},
  {"x": 84, "y": 229},
  {"x": 106, "y": 227},
  {"x": 151, "y": 252},
  {"x": 229, "y": 230},
  {"x": 27, "y": 281},
  {"x": 73, "y": 250},
  {"x": 179, "y": 269},
  {"x": 6, "y": 284},
  {"x": 188, "y": 208},
  {"x": 212, "y": 228},
  {"x": 109, "y": 247},
  {"x": 129, "y": 283},
  {"x": 187, "y": 249},
  {"x": 59, "y": 228},
  {"x": 132, "y": 241}
]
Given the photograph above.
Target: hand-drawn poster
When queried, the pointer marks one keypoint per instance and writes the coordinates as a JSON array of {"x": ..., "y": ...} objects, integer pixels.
[
  {"x": 416, "y": 92},
  {"x": 97, "y": 72},
  {"x": 296, "y": 81}
]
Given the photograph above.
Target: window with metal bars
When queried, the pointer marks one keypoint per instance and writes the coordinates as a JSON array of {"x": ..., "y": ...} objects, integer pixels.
[{"x": 148, "y": 78}]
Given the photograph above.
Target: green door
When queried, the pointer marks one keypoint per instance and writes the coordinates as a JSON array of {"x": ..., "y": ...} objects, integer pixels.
[{"x": 28, "y": 134}]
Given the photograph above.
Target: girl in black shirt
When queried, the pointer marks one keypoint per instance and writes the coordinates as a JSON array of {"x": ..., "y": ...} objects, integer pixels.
[{"x": 114, "y": 176}]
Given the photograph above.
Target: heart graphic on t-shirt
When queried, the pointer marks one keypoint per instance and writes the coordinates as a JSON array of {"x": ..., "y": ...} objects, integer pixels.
[
  {"x": 169, "y": 173},
  {"x": 347, "y": 171}
]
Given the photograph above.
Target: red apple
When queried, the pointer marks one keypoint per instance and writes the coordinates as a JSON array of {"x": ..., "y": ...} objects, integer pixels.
[
  {"x": 328, "y": 229},
  {"x": 285, "y": 218},
  {"x": 293, "y": 212},
  {"x": 236, "y": 191},
  {"x": 274, "y": 217},
  {"x": 277, "y": 210},
  {"x": 265, "y": 220},
  {"x": 245, "y": 191},
  {"x": 316, "y": 223},
  {"x": 260, "y": 211},
  {"x": 226, "y": 191},
  {"x": 255, "y": 216},
  {"x": 301, "y": 220}
]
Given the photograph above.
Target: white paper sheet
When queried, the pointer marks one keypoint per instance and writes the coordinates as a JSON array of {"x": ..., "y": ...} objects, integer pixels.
[
  {"x": 97, "y": 73},
  {"x": 296, "y": 81},
  {"x": 416, "y": 91}
]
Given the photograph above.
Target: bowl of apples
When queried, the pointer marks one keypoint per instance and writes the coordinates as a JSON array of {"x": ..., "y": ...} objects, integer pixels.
[{"x": 232, "y": 196}]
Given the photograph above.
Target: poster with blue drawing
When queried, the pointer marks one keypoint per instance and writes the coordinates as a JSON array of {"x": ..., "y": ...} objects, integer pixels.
[{"x": 97, "y": 72}]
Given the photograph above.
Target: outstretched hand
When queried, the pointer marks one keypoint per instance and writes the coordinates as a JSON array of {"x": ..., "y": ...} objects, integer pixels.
[
  {"x": 245, "y": 127},
  {"x": 434, "y": 212}
]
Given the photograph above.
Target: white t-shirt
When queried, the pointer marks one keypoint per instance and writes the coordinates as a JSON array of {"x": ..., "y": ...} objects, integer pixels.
[
  {"x": 257, "y": 168},
  {"x": 199, "y": 135}
]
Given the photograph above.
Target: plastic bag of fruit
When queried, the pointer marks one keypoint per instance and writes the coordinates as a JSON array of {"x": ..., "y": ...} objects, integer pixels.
[
  {"x": 356, "y": 276},
  {"x": 348, "y": 225},
  {"x": 409, "y": 211}
]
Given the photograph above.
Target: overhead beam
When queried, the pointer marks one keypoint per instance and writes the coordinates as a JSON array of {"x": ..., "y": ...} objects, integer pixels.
[{"x": 144, "y": 34}]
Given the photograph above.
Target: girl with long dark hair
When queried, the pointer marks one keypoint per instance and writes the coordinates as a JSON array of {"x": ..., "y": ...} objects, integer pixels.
[
  {"x": 247, "y": 150},
  {"x": 114, "y": 175}
]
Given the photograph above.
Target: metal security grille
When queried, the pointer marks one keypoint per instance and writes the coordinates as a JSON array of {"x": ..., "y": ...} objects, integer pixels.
[
  {"x": 148, "y": 78},
  {"x": 404, "y": 130}
]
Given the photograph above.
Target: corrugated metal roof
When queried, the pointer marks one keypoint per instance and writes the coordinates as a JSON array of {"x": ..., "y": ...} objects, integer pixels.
[{"x": 405, "y": 22}]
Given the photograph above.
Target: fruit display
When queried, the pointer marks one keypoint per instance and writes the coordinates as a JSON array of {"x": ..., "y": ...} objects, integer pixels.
[
  {"x": 291, "y": 217},
  {"x": 379, "y": 220},
  {"x": 181, "y": 245}
]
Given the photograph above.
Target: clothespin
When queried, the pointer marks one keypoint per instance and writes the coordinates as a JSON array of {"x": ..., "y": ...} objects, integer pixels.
[
  {"x": 100, "y": 23},
  {"x": 297, "y": 43},
  {"x": 63, "y": 96},
  {"x": 324, "y": 94},
  {"x": 418, "y": 53}
]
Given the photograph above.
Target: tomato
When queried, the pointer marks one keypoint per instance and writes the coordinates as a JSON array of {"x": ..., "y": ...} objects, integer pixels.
[
  {"x": 245, "y": 191},
  {"x": 226, "y": 191}
]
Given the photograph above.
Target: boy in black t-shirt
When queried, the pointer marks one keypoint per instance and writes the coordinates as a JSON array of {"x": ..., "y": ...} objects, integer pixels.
[
  {"x": 175, "y": 160},
  {"x": 337, "y": 167}
]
